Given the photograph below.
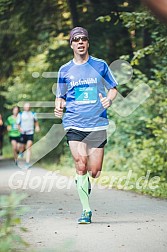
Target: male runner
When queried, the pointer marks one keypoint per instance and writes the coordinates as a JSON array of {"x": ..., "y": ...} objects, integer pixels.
[
  {"x": 81, "y": 89},
  {"x": 13, "y": 132},
  {"x": 27, "y": 121}
]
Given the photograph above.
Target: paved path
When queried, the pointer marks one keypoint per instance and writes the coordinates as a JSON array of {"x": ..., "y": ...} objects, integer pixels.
[{"x": 122, "y": 221}]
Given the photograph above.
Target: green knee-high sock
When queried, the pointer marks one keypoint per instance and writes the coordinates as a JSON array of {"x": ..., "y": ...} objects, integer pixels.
[{"x": 82, "y": 187}]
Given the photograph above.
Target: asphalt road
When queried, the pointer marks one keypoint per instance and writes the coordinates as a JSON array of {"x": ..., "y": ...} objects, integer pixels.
[{"x": 122, "y": 221}]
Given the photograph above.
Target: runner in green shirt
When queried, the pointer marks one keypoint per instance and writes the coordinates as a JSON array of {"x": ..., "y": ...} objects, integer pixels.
[{"x": 13, "y": 132}]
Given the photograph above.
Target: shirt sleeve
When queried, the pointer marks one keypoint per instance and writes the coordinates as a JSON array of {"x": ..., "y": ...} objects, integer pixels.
[
  {"x": 109, "y": 80},
  {"x": 35, "y": 117},
  {"x": 61, "y": 86}
]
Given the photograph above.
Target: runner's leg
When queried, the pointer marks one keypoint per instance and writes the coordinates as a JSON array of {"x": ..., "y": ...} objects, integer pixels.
[
  {"x": 28, "y": 150},
  {"x": 81, "y": 170},
  {"x": 18, "y": 147},
  {"x": 95, "y": 161},
  {"x": 22, "y": 148},
  {"x": 14, "y": 148}
]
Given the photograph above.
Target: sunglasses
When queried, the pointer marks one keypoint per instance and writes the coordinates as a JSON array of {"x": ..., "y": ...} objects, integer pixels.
[{"x": 77, "y": 39}]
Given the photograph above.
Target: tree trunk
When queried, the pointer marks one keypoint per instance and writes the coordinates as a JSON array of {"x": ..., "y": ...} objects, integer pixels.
[{"x": 74, "y": 15}]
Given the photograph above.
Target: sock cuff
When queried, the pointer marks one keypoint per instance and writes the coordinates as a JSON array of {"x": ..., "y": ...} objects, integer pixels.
[{"x": 81, "y": 176}]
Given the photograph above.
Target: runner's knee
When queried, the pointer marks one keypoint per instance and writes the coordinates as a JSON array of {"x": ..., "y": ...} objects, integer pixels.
[
  {"x": 95, "y": 174},
  {"x": 81, "y": 165},
  {"x": 14, "y": 146}
]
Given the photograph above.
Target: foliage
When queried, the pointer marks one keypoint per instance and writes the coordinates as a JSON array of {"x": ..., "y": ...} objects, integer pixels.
[
  {"x": 10, "y": 213},
  {"x": 144, "y": 138},
  {"x": 34, "y": 38}
]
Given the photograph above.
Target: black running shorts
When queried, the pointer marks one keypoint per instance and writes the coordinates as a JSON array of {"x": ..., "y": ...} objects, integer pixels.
[
  {"x": 17, "y": 139},
  {"x": 25, "y": 138},
  {"x": 94, "y": 139}
]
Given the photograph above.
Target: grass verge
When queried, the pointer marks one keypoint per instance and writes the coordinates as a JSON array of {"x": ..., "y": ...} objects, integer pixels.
[{"x": 121, "y": 180}]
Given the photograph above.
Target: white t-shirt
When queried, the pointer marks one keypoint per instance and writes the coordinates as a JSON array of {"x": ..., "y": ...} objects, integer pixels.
[{"x": 26, "y": 120}]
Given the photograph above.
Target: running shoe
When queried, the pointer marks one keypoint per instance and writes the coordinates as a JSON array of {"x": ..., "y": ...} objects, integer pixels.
[
  {"x": 27, "y": 166},
  {"x": 85, "y": 217},
  {"x": 20, "y": 155},
  {"x": 16, "y": 162}
]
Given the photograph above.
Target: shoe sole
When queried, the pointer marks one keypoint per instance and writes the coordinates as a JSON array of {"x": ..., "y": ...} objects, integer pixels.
[{"x": 84, "y": 222}]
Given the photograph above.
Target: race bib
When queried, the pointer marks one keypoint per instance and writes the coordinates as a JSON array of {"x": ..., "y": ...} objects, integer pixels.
[{"x": 86, "y": 94}]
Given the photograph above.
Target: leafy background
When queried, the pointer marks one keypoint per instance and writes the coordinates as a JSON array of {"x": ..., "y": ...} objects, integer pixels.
[{"x": 34, "y": 37}]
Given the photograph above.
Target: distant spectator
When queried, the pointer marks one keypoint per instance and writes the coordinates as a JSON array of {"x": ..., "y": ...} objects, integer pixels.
[
  {"x": 13, "y": 132},
  {"x": 2, "y": 131}
]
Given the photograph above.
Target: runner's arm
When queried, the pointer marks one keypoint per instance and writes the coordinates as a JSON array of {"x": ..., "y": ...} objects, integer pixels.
[
  {"x": 112, "y": 93},
  {"x": 107, "y": 101},
  {"x": 8, "y": 126},
  {"x": 36, "y": 124},
  {"x": 59, "y": 106},
  {"x": 18, "y": 121},
  {"x": 60, "y": 101},
  {"x": 37, "y": 128}
]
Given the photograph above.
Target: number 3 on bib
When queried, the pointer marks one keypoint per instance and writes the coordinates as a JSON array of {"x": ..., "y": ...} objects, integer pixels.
[{"x": 85, "y": 95}]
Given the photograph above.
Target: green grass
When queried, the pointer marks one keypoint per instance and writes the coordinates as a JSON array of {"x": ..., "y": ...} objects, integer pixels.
[
  {"x": 113, "y": 179},
  {"x": 7, "y": 148}
]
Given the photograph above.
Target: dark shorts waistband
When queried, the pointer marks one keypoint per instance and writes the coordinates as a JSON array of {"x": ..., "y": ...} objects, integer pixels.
[{"x": 94, "y": 139}]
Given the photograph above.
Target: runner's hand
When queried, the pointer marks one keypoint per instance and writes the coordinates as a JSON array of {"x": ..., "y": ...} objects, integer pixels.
[
  {"x": 37, "y": 129},
  {"x": 21, "y": 130},
  {"x": 106, "y": 103},
  {"x": 59, "y": 106}
]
